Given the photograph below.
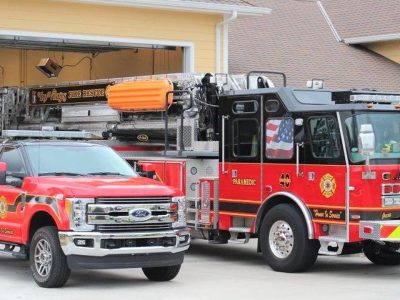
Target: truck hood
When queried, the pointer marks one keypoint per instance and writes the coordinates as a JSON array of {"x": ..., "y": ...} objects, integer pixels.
[{"x": 96, "y": 186}]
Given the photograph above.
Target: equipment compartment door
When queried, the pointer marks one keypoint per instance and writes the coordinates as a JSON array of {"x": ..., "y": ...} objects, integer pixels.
[{"x": 240, "y": 159}]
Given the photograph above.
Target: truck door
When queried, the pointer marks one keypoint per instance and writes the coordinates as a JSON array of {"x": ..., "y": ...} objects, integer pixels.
[
  {"x": 240, "y": 155},
  {"x": 11, "y": 210},
  {"x": 324, "y": 169}
]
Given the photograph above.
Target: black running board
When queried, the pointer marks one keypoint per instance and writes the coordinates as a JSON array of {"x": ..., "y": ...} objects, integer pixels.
[{"x": 19, "y": 251}]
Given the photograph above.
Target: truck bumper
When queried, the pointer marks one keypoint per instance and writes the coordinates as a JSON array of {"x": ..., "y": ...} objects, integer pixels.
[
  {"x": 124, "y": 250},
  {"x": 385, "y": 231}
]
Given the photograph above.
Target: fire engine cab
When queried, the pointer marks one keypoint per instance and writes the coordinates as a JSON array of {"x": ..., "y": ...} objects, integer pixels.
[{"x": 304, "y": 171}]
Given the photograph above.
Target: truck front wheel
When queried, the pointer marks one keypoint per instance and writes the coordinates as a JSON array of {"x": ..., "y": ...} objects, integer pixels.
[
  {"x": 161, "y": 273},
  {"x": 380, "y": 255},
  {"x": 47, "y": 261},
  {"x": 284, "y": 241}
]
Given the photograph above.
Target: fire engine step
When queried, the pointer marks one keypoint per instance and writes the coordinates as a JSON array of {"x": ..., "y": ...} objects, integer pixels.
[
  {"x": 16, "y": 250},
  {"x": 243, "y": 232},
  {"x": 331, "y": 245}
]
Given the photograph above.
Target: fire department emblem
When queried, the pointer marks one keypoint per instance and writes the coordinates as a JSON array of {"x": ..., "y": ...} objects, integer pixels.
[
  {"x": 3, "y": 207},
  {"x": 327, "y": 185}
]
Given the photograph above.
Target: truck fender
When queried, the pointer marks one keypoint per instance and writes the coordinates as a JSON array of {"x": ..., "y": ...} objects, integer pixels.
[
  {"x": 32, "y": 213},
  {"x": 285, "y": 197}
]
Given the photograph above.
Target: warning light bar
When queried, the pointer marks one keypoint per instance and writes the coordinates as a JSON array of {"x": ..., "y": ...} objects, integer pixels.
[
  {"x": 49, "y": 134},
  {"x": 375, "y": 98}
]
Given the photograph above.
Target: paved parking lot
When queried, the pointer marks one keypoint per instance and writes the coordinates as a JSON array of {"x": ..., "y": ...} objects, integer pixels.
[{"x": 214, "y": 272}]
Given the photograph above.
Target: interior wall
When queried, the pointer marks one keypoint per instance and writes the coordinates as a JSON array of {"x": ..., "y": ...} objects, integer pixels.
[{"x": 19, "y": 65}]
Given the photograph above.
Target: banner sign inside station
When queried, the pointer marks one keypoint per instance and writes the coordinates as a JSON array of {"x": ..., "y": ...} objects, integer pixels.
[{"x": 69, "y": 94}]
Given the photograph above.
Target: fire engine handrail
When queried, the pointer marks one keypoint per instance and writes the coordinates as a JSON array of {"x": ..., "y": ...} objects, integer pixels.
[
  {"x": 347, "y": 178},
  {"x": 175, "y": 92},
  {"x": 265, "y": 72}
]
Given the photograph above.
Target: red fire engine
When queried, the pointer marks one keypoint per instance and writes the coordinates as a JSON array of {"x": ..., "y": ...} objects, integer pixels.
[{"x": 305, "y": 171}]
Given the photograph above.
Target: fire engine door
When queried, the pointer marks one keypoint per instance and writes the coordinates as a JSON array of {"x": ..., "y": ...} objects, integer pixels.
[
  {"x": 324, "y": 168},
  {"x": 240, "y": 155},
  {"x": 12, "y": 197}
]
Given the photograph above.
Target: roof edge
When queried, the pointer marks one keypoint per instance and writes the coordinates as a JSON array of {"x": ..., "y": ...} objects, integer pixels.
[
  {"x": 373, "y": 38},
  {"x": 195, "y": 6}
]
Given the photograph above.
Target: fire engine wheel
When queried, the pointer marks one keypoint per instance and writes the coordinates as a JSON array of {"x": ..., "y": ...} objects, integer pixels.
[
  {"x": 162, "y": 273},
  {"x": 284, "y": 241},
  {"x": 380, "y": 255},
  {"x": 47, "y": 261}
]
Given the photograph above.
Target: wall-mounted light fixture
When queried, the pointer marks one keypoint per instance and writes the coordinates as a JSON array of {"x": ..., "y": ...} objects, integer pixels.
[{"x": 49, "y": 67}]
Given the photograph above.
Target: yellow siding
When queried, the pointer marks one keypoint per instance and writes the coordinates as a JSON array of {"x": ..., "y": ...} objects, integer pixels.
[
  {"x": 390, "y": 50},
  {"x": 73, "y": 18}
]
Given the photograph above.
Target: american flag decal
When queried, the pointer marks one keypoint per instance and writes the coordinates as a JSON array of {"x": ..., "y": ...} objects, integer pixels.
[{"x": 279, "y": 138}]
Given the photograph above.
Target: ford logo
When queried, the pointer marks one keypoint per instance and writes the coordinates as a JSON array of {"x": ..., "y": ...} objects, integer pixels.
[
  {"x": 140, "y": 214},
  {"x": 143, "y": 138}
]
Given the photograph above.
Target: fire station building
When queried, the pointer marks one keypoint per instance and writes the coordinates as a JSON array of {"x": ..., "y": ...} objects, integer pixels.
[{"x": 74, "y": 40}]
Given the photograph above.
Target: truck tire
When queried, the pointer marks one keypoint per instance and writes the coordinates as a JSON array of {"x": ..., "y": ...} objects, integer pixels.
[
  {"x": 47, "y": 261},
  {"x": 379, "y": 255},
  {"x": 161, "y": 273},
  {"x": 284, "y": 241}
]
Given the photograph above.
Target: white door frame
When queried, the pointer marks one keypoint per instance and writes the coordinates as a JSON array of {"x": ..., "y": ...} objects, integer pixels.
[{"x": 188, "y": 47}]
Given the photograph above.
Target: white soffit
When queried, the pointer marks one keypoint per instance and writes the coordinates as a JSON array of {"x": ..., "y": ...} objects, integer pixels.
[
  {"x": 181, "y": 5},
  {"x": 373, "y": 38}
]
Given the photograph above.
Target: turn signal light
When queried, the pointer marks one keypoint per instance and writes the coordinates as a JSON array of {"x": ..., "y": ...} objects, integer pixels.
[
  {"x": 387, "y": 189},
  {"x": 368, "y": 230}
]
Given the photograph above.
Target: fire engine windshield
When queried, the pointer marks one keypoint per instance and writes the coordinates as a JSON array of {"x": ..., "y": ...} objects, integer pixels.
[
  {"x": 76, "y": 160},
  {"x": 384, "y": 131}
]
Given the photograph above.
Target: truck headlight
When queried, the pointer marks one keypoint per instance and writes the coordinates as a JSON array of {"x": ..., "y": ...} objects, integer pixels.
[
  {"x": 76, "y": 210},
  {"x": 181, "y": 212}
]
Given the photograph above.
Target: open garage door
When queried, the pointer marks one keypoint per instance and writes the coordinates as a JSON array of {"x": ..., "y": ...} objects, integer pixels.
[{"x": 87, "y": 57}]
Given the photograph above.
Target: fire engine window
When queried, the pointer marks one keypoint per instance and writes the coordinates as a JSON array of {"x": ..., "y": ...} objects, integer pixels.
[
  {"x": 272, "y": 105},
  {"x": 245, "y": 137},
  {"x": 279, "y": 138},
  {"x": 324, "y": 137},
  {"x": 245, "y": 107},
  {"x": 13, "y": 160}
]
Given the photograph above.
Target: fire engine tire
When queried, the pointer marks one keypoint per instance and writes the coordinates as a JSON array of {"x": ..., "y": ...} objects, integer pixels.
[
  {"x": 47, "y": 261},
  {"x": 161, "y": 273},
  {"x": 284, "y": 241},
  {"x": 381, "y": 256}
]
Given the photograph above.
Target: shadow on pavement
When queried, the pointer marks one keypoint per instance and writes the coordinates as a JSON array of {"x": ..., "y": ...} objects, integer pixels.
[
  {"x": 21, "y": 273},
  {"x": 347, "y": 265}
]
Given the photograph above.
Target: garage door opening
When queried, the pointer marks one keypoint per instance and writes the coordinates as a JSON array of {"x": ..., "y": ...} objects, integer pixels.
[{"x": 83, "y": 60}]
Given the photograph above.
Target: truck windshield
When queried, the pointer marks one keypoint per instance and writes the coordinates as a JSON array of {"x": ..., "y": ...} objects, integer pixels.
[
  {"x": 75, "y": 160},
  {"x": 385, "y": 129}
]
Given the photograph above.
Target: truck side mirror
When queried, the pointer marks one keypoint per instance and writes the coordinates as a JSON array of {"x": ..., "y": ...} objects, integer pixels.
[
  {"x": 3, "y": 170},
  {"x": 366, "y": 140},
  {"x": 147, "y": 170}
]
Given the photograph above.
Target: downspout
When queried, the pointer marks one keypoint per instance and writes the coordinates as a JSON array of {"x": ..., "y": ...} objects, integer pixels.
[{"x": 222, "y": 25}]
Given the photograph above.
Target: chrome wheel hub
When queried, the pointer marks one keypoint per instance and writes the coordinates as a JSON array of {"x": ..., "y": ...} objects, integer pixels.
[
  {"x": 281, "y": 239},
  {"x": 43, "y": 258}
]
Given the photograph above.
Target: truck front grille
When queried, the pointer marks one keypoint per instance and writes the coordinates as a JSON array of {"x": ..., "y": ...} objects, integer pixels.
[
  {"x": 132, "y": 214},
  {"x": 134, "y": 227},
  {"x": 133, "y": 200}
]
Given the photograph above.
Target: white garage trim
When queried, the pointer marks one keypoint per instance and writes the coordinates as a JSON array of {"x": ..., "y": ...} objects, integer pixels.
[
  {"x": 195, "y": 6},
  {"x": 188, "y": 55}
]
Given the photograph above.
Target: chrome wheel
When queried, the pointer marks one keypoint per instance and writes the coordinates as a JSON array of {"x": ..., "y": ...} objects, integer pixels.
[
  {"x": 43, "y": 258},
  {"x": 281, "y": 239}
]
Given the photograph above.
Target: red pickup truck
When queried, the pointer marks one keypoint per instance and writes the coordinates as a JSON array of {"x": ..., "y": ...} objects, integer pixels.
[{"x": 68, "y": 204}]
